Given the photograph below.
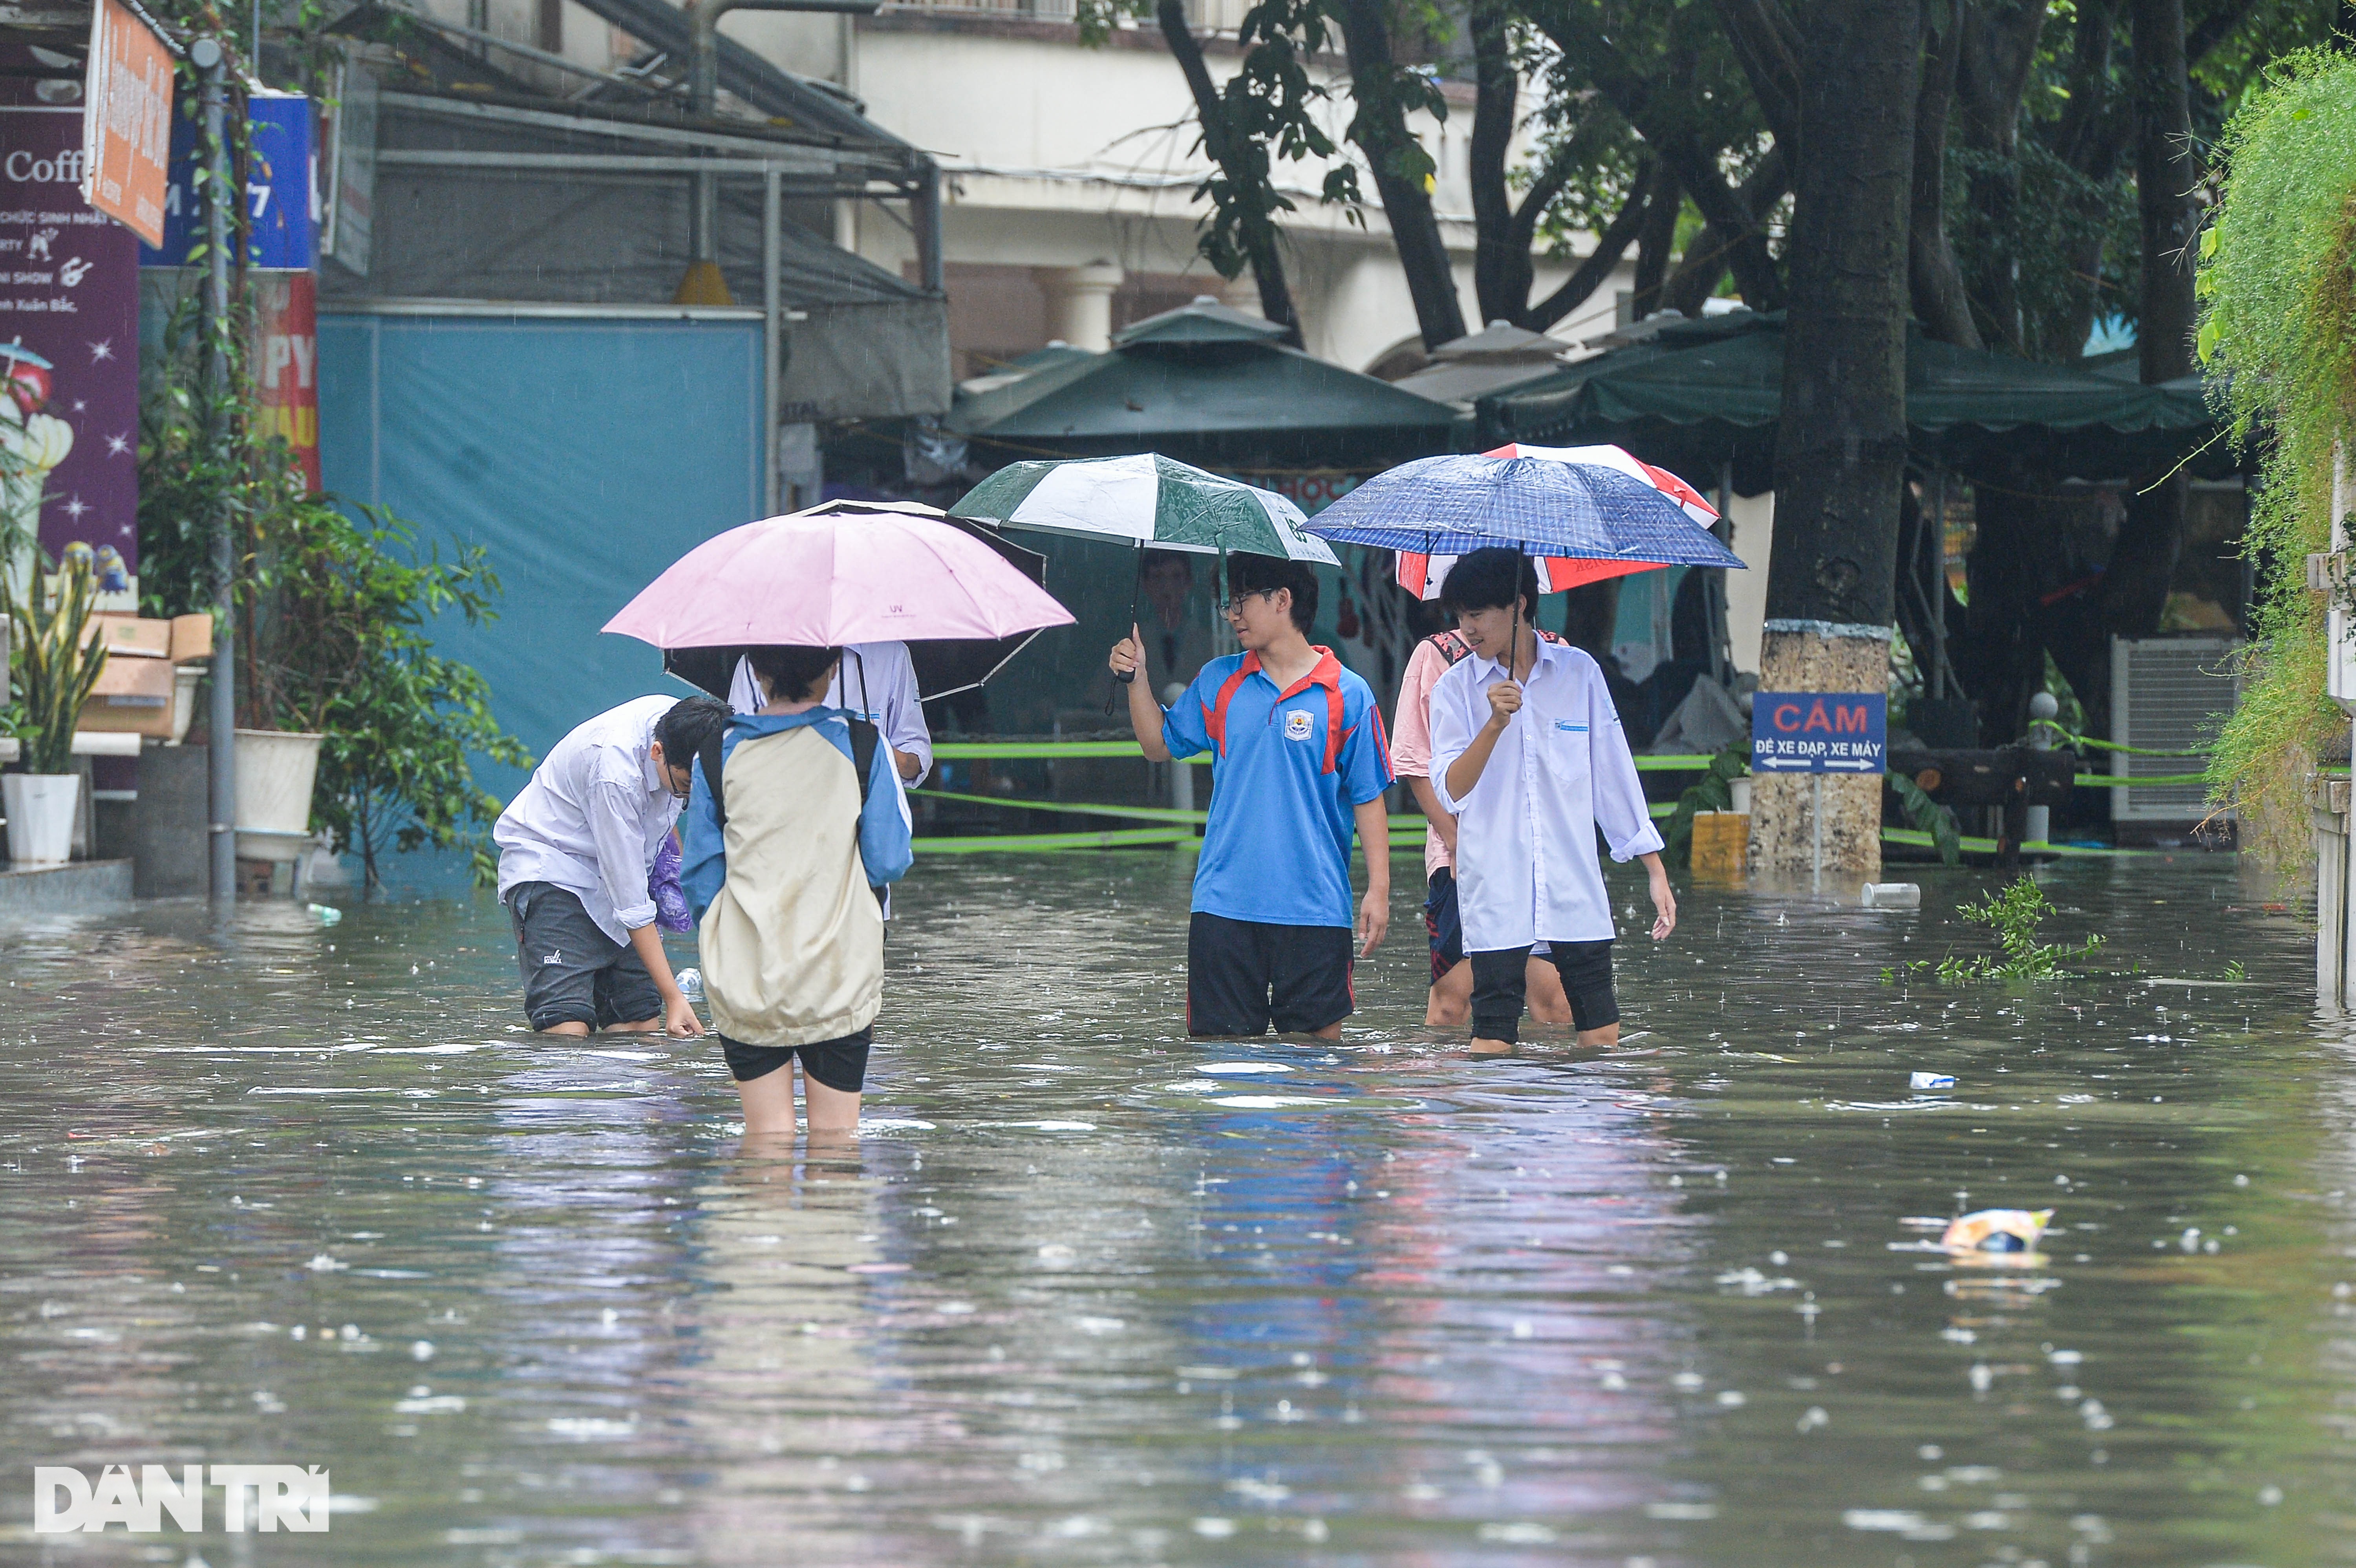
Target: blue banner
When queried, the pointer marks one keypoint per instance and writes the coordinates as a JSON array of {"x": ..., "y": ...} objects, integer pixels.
[
  {"x": 279, "y": 192},
  {"x": 1820, "y": 732}
]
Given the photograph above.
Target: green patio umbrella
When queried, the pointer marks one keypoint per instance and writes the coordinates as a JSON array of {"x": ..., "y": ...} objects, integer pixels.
[
  {"x": 1143, "y": 499},
  {"x": 1140, "y": 500}
]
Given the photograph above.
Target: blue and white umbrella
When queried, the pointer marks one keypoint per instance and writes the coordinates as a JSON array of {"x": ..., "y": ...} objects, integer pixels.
[{"x": 1539, "y": 505}]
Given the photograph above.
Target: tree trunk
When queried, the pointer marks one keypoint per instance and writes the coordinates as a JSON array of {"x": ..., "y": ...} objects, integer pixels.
[
  {"x": 1590, "y": 274},
  {"x": 1400, "y": 167},
  {"x": 1933, "y": 278},
  {"x": 1501, "y": 271},
  {"x": 1840, "y": 448},
  {"x": 1662, "y": 201},
  {"x": 2143, "y": 564},
  {"x": 1243, "y": 172}
]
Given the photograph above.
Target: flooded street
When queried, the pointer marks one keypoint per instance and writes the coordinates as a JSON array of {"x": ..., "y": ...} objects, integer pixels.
[{"x": 1091, "y": 1293}]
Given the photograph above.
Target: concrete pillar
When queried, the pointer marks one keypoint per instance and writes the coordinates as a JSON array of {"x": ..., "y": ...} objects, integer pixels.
[{"x": 1079, "y": 304}]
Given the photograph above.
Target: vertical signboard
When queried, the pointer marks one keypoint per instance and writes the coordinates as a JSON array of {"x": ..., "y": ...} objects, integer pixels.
[
  {"x": 286, "y": 364},
  {"x": 68, "y": 360},
  {"x": 126, "y": 120},
  {"x": 351, "y": 177}
]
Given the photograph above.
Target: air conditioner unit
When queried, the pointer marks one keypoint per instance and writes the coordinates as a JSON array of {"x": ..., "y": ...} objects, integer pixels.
[{"x": 2167, "y": 694}]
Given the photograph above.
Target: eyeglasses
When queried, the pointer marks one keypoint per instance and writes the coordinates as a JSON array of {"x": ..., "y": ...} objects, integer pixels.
[{"x": 1229, "y": 606}]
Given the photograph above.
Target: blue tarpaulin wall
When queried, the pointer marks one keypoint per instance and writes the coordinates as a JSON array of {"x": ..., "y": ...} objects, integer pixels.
[{"x": 585, "y": 455}]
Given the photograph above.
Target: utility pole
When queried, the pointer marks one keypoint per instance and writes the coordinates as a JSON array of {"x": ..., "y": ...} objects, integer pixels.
[{"x": 213, "y": 336}]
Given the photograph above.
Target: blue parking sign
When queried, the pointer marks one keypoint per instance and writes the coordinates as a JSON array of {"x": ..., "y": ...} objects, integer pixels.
[{"x": 1820, "y": 732}]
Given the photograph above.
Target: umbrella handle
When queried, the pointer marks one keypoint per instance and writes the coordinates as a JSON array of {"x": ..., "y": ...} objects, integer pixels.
[{"x": 1136, "y": 597}]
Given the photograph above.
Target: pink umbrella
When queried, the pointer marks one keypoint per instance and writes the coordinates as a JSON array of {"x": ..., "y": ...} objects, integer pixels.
[
  {"x": 823, "y": 581},
  {"x": 1422, "y": 575}
]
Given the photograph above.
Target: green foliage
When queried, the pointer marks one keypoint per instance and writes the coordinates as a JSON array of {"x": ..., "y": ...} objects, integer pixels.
[
  {"x": 2014, "y": 915},
  {"x": 53, "y": 669},
  {"x": 1927, "y": 816},
  {"x": 351, "y": 655},
  {"x": 1712, "y": 791},
  {"x": 2278, "y": 276}
]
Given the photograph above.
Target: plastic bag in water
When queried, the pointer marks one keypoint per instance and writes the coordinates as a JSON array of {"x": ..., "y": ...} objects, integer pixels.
[{"x": 1997, "y": 1231}]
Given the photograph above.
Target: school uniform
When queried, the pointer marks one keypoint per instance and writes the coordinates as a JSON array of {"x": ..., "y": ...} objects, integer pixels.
[
  {"x": 1526, "y": 870},
  {"x": 1269, "y": 938},
  {"x": 575, "y": 846},
  {"x": 789, "y": 927}
]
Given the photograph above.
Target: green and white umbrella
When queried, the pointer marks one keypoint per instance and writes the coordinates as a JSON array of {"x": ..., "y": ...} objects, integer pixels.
[{"x": 1144, "y": 500}]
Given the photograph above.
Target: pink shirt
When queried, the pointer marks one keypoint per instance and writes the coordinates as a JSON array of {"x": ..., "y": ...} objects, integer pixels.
[{"x": 1411, "y": 737}]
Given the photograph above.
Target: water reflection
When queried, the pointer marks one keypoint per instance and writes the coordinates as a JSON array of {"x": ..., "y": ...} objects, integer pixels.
[{"x": 1088, "y": 1292}]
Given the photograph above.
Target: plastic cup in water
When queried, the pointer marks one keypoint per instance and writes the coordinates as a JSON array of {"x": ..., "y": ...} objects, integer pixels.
[
  {"x": 1931, "y": 1080},
  {"x": 1892, "y": 895}
]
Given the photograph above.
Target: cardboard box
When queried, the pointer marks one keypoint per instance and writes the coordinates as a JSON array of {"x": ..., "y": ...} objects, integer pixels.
[
  {"x": 128, "y": 636},
  {"x": 192, "y": 638},
  {"x": 133, "y": 696}
]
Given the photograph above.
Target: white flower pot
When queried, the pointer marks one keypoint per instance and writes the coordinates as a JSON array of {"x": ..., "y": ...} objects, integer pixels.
[
  {"x": 275, "y": 773},
  {"x": 185, "y": 679},
  {"x": 41, "y": 809}
]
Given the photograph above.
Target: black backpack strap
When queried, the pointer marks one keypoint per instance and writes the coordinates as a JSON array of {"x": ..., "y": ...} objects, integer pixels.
[
  {"x": 864, "y": 738},
  {"x": 710, "y": 757}
]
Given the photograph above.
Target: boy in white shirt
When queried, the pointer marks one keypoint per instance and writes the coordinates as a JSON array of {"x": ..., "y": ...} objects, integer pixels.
[{"x": 1528, "y": 753}]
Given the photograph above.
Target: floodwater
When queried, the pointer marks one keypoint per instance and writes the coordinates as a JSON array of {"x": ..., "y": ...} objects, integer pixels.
[{"x": 1089, "y": 1293}]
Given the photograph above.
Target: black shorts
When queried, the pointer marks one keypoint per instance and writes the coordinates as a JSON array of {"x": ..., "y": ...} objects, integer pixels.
[
  {"x": 1243, "y": 975},
  {"x": 839, "y": 1064},
  {"x": 573, "y": 972},
  {"x": 1441, "y": 924},
  {"x": 1501, "y": 979}
]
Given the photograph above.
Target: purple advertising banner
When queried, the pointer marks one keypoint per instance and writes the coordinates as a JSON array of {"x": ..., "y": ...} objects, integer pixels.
[{"x": 69, "y": 354}]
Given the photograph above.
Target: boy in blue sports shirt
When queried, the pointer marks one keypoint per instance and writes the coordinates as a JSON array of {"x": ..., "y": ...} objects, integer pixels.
[{"x": 1301, "y": 765}]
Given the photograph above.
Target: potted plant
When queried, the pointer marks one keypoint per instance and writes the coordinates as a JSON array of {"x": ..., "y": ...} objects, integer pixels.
[{"x": 54, "y": 672}]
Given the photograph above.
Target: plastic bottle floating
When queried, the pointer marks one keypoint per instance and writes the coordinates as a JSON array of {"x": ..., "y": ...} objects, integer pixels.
[{"x": 1997, "y": 1231}]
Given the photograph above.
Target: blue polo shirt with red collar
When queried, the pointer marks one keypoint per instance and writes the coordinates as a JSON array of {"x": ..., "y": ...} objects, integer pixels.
[{"x": 1291, "y": 768}]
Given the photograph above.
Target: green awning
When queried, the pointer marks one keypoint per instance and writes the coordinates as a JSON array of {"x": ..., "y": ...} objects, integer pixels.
[
  {"x": 1210, "y": 386},
  {"x": 1702, "y": 393}
]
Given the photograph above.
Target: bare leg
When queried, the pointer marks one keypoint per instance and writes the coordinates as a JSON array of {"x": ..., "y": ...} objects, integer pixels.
[
  {"x": 1449, "y": 1003},
  {"x": 1491, "y": 1047},
  {"x": 1594, "y": 1038},
  {"x": 644, "y": 1026},
  {"x": 571, "y": 1030},
  {"x": 1548, "y": 1005},
  {"x": 769, "y": 1104},
  {"x": 831, "y": 1111}
]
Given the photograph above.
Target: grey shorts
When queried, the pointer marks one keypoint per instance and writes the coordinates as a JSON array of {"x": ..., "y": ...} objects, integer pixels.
[{"x": 573, "y": 972}]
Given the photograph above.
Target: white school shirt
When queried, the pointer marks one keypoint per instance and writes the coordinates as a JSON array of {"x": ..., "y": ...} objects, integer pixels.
[
  {"x": 593, "y": 816},
  {"x": 892, "y": 706},
  {"x": 1526, "y": 864}
]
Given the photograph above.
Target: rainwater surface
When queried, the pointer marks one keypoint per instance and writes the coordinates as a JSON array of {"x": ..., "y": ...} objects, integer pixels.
[{"x": 1088, "y": 1292}]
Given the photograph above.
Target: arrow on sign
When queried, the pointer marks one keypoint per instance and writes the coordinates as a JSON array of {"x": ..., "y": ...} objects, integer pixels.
[
  {"x": 1782, "y": 765},
  {"x": 1860, "y": 763}
]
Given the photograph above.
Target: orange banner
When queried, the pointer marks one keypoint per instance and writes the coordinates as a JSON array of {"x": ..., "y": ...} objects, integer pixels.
[{"x": 126, "y": 120}]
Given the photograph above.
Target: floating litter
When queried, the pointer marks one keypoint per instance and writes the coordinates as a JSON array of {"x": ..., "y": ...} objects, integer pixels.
[
  {"x": 1931, "y": 1080},
  {"x": 690, "y": 984},
  {"x": 1891, "y": 895},
  {"x": 1997, "y": 1231},
  {"x": 325, "y": 914}
]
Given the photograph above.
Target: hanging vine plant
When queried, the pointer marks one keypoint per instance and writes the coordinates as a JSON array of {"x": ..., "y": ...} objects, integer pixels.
[{"x": 2278, "y": 276}]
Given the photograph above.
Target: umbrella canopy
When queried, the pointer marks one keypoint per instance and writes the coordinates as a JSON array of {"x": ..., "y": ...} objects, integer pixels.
[
  {"x": 944, "y": 666},
  {"x": 1586, "y": 511},
  {"x": 1145, "y": 500},
  {"x": 826, "y": 577},
  {"x": 1422, "y": 575}
]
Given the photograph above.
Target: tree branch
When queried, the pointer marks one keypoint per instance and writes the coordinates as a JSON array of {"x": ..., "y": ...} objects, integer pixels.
[
  {"x": 1935, "y": 284},
  {"x": 1592, "y": 273}
]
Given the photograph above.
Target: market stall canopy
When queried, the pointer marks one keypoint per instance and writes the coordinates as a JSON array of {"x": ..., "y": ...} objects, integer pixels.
[
  {"x": 489, "y": 189},
  {"x": 1499, "y": 356},
  {"x": 1699, "y": 394},
  {"x": 1210, "y": 386}
]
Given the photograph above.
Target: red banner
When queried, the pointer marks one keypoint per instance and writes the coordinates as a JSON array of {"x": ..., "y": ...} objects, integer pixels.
[{"x": 286, "y": 364}]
